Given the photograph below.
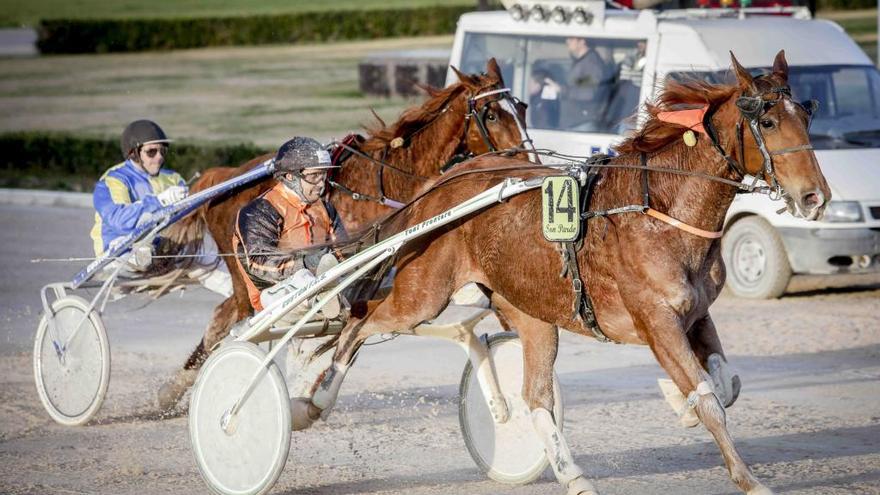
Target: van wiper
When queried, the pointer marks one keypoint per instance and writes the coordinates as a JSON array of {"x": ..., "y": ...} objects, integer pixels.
[
  {"x": 868, "y": 137},
  {"x": 834, "y": 142}
]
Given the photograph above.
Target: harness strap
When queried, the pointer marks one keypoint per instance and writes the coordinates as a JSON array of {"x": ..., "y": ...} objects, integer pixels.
[
  {"x": 713, "y": 136},
  {"x": 366, "y": 197},
  {"x": 651, "y": 212},
  {"x": 583, "y": 305},
  {"x": 646, "y": 208}
]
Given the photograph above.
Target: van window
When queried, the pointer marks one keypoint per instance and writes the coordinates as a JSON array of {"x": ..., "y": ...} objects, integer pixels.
[
  {"x": 848, "y": 96},
  {"x": 571, "y": 84}
]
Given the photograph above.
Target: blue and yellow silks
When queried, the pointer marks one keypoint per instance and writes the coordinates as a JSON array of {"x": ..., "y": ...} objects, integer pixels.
[{"x": 122, "y": 195}]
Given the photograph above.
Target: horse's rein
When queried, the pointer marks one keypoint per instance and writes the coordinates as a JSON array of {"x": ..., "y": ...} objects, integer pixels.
[{"x": 471, "y": 112}]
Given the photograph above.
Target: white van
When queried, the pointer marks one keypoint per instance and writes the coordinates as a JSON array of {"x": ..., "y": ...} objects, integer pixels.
[{"x": 640, "y": 49}]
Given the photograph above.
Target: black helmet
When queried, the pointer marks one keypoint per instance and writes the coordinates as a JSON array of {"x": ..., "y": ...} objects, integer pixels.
[
  {"x": 139, "y": 133},
  {"x": 300, "y": 153}
]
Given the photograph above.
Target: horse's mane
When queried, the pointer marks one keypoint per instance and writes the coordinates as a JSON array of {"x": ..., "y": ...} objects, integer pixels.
[
  {"x": 656, "y": 134},
  {"x": 677, "y": 95},
  {"x": 417, "y": 117}
]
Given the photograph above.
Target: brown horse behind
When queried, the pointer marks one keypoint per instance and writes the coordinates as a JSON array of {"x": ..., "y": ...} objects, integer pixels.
[
  {"x": 415, "y": 148},
  {"x": 651, "y": 283}
]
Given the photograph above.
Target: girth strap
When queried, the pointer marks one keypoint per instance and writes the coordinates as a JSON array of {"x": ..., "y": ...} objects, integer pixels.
[{"x": 583, "y": 305}]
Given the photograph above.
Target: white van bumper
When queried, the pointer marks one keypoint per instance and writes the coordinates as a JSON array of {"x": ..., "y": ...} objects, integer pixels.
[{"x": 832, "y": 251}]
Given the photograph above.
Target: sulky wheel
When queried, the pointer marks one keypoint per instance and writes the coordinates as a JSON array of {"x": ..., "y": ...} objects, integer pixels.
[
  {"x": 247, "y": 457},
  {"x": 509, "y": 452},
  {"x": 72, "y": 367}
]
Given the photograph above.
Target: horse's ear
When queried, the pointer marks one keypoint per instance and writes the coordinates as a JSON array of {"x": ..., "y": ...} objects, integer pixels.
[
  {"x": 780, "y": 66},
  {"x": 746, "y": 82},
  {"x": 461, "y": 75},
  {"x": 492, "y": 68}
]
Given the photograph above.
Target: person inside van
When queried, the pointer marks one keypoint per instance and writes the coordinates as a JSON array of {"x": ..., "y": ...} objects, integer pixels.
[
  {"x": 587, "y": 87},
  {"x": 543, "y": 101}
]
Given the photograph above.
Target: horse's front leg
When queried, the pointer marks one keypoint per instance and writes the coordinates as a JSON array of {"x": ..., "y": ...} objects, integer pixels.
[
  {"x": 540, "y": 343},
  {"x": 673, "y": 351},
  {"x": 707, "y": 346},
  {"x": 704, "y": 341}
]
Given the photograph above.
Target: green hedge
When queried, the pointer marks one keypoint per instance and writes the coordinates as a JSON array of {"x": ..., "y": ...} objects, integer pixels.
[
  {"x": 65, "y": 162},
  {"x": 846, "y": 4},
  {"x": 110, "y": 35}
]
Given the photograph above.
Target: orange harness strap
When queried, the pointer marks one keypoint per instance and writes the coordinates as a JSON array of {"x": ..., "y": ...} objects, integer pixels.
[{"x": 683, "y": 226}]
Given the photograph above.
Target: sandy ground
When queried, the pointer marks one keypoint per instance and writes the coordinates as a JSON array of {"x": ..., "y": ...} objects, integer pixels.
[{"x": 808, "y": 419}]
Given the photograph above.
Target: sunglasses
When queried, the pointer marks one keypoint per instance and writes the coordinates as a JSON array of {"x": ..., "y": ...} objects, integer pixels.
[{"x": 151, "y": 153}]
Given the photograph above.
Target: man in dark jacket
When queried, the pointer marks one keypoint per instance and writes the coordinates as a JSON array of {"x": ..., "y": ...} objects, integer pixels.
[{"x": 587, "y": 88}]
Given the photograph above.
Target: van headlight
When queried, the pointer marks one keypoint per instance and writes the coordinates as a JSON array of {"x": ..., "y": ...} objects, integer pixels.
[{"x": 843, "y": 211}]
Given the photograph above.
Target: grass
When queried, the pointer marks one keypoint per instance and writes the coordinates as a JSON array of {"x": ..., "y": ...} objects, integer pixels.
[
  {"x": 263, "y": 95},
  {"x": 29, "y": 12}
]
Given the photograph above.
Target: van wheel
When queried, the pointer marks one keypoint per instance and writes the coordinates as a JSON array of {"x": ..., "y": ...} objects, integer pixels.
[{"x": 756, "y": 261}]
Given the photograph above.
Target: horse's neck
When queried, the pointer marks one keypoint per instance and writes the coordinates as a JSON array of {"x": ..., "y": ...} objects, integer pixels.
[
  {"x": 428, "y": 150},
  {"x": 696, "y": 201}
]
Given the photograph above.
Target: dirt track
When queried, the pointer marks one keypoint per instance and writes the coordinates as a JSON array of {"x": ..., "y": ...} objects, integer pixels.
[{"x": 808, "y": 419}]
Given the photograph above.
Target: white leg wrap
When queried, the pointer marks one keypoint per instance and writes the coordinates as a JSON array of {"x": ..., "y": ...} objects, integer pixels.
[
  {"x": 299, "y": 413},
  {"x": 303, "y": 367},
  {"x": 470, "y": 295},
  {"x": 555, "y": 447},
  {"x": 761, "y": 490},
  {"x": 678, "y": 402},
  {"x": 703, "y": 388},
  {"x": 218, "y": 281},
  {"x": 327, "y": 391}
]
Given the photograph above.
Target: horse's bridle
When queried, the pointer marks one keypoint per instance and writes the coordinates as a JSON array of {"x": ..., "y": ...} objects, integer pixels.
[
  {"x": 752, "y": 108},
  {"x": 472, "y": 114},
  {"x": 505, "y": 99}
]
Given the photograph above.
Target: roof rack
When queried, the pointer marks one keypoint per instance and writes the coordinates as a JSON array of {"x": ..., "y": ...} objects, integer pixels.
[
  {"x": 586, "y": 12},
  {"x": 592, "y": 12},
  {"x": 741, "y": 13}
]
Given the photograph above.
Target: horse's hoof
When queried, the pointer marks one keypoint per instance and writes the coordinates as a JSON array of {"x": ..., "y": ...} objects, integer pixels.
[
  {"x": 760, "y": 490},
  {"x": 171, "y": 391},
  {"x": 726, "y": 384},
  {"x": 581, "y": 486},
  {"x": 736, "y": 384},
  {"x": 299, "y": 413}
]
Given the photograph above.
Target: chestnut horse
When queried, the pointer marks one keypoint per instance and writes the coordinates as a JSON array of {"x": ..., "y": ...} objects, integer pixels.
[
  {"x": 455, "y": 122},
  {"x": 651, "y": 282}
]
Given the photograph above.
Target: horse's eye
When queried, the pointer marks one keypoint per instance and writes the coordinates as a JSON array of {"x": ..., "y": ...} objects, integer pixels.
[
  {"x": 767, "y": 124},
  {"x": 490, "y": 116}
]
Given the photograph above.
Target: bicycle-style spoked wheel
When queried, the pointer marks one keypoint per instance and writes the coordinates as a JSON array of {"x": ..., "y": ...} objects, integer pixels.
[
  {"x": 72, "y": 364},
  {"x": 508, "y": 452},
  {"x": 247, "y": 455}
]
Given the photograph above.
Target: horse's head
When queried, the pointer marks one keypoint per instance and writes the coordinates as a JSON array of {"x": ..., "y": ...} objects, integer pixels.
[
  {"x": 775, "y": 139},
  {"x": 494, "y": 119}
]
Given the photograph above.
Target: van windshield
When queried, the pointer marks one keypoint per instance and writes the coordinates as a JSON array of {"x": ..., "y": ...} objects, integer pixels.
[
  {"x": 573, "y": 84},
  {"x": 848, "y": 96}
]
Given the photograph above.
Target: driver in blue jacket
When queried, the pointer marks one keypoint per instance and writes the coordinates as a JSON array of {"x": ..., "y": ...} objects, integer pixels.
[
  {"x": 130, "y": 192},
  {"x": 136, "y": 187}
]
